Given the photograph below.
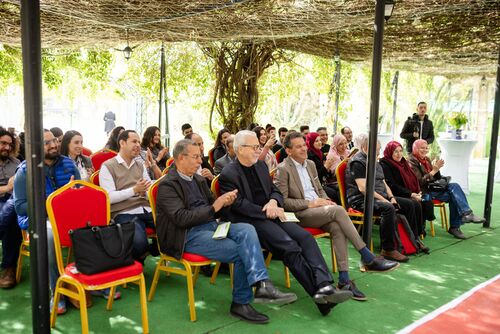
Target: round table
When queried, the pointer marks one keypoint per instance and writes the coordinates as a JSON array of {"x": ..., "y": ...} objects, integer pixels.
[{"x": 456, "y": 154}]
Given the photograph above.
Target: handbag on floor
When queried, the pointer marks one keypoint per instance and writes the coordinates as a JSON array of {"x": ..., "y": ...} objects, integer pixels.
[
  {"x": 101, "y": 248},
  {"x": 405, "y": 240}
]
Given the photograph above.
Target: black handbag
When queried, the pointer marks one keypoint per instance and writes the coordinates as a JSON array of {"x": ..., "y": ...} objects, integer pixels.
[
  {"x": 440, "y": 185},
  {"x": 101, "y": 248}
]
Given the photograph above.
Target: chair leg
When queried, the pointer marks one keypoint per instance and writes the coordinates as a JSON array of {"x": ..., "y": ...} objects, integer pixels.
[
  {"x": 195, "y": 275},
  {"x": 433, "y": 232},
  {"x": 144, "y": 306},
  {"x": 445, "y": 217},
  {"x": 156, "y": 278},
  {"x": 84, "y": 315},
  {"x": 109, "y": 305},
  {"x": 269, "y": 257},
  {"x": 287, "y": 277},
  {"x": 19, "y": 268},
  {"x": 215, "y": 272},
  {"x": 442, "y": 216},
  {"x": 57, "y": 296},
  {"x": 231, "y": 274},
  {"x": 190, "y": 288}
]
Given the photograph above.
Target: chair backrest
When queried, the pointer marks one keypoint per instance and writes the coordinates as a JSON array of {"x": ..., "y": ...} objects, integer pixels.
[
  {"x": 278, "y": 156},
  {"x": 211, "y": 159},
  {"x": 340, "y": 174},
  {"x": 73, "y": 206},
  {"x": 94, "y": 178},
  {"x": 87, "y": 152},
  {"x": 170, "y": 161},
  {"x": 152, "y": 195},
  {"x": 100, "y": 157},
  {"x": 215, "y": 187},
  {"x": 272, "y": 173}
]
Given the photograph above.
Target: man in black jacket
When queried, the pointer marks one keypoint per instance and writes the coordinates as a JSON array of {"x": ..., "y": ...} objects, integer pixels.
[
  {"x": 419, "y": 126},
  {"x": 260, "y": 203},
  {"x": 186, "y": 222}
]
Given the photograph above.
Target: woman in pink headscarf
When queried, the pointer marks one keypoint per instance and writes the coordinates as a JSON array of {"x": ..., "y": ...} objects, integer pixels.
[
  {"x": 428, "y": 172},
  {"x": 338, "y": 151},
  {"x": 313, "y": 143}
]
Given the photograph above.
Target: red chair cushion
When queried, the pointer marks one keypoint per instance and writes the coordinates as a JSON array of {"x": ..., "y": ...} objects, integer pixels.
[
  {"x": 351, "y": 210},
  {"x": 100, "y": 157},
  {"x": 191, "y": 257},
  {"x": 150, "y": 231},
  {"x": 437, "y": 202},
  {"x": 104, "y": 277},
  {"x": 314, "y": 231}
]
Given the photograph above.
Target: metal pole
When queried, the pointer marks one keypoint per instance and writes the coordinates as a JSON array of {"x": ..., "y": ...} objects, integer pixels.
[
  {"x": 394, "y": 103},
  {"x": 165, "y": 100},
  {"x": 162, "y": 76},
  {"x": 493, "y": 150},
  {"x": 374, "y": 110},
  {"x": 32, "y": 82},
  {"x": 337, "y": 92}
]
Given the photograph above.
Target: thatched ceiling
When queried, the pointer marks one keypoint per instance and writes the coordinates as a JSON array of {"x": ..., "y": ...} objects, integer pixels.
[{"x": 434, "y": 36}]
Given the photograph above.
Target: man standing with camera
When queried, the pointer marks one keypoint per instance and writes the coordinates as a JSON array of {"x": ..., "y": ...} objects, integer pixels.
[{"x": 419, "y": 126}]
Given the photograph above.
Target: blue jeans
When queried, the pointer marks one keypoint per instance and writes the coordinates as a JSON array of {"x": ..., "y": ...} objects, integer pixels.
[
  {"x": 141, "y": 221},
  {"x": 241, "y": 247},
  {"x": 459, "y": 206},
  {"x": 10, "y": 233}
]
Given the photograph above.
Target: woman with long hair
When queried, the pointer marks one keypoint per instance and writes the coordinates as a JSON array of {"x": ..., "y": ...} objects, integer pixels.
[
  {"x": 152, "y": 140},
  {"x": 112, "y": 143},
  {"x": 266, "y": 145},
  {"x": 72, "y": 146},
  {"x": 427, "y": 173},
  {"x": 219, "y": 149}
]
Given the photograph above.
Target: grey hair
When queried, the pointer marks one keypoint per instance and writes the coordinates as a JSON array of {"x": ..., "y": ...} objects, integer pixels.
[
  {"x": 181, "y": 147},
  {"x": 240, "y": 138},
  {"x": 287, "y": 142},
  {"x": 361, "y": 140}
]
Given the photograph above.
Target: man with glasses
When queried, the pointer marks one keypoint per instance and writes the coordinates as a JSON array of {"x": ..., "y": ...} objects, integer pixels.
[
  {"x": 205, "y": 168},
  {"x": 347, "y": 133},
  {"x": 186, "y": 222},
  {"x": 58, "y": 170},
  {"x": 10, "y": 233},
  {"x": 260, "y": 203}
]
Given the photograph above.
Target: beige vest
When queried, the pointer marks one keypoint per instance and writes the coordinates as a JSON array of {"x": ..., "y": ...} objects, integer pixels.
[{"x": 126, "y": 178}]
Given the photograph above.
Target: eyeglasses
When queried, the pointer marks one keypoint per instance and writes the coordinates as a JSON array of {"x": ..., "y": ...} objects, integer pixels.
[
  {"x": 4, "y": 143},
  {"x": 51, "y": 141},
  {"x": 194, "y": 156},
  {"x": 255, "y": 147}
]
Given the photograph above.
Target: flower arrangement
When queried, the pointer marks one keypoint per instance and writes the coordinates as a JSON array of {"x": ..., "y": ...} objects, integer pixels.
[{"x": 457, "y": 119}]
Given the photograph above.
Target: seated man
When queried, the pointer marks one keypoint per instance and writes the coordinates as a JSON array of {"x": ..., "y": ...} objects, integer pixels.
[
  {"x": 260, "y": 203},
  {"x": 127, "y": 181},
  {"x": 385, "y": 204},
  {"x": 298, "y": 181},
  {"x": 10, "y": 233},
  {"x": 205, "y": 169},
  {"x": 229, "y": 157},
  {"x": 323, "y": 134},
  {"x": 186, "y": 221},
  {"x": 347, "y": 133}
]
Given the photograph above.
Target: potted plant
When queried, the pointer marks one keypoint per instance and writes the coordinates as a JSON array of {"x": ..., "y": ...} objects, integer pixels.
[{"x": 457, "y": 120}]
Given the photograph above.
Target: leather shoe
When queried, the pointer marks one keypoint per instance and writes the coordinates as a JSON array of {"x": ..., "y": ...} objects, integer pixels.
[
  {"x": 267, "y": 293},
  {"x": 379, "y": 264},
  {"x": 356, "y": 293},
  {"x": 423, "y": 248},
  {"x": 329, "y": 294},
  {"x": 394, "y": 255},
  {"x": 472, "y": 218},
  {"x": 248, "y": 313},
  {"x": 457, "y": 233},
  {"x": 325, "y": 309},
  {"x": 8, "y": 278}
]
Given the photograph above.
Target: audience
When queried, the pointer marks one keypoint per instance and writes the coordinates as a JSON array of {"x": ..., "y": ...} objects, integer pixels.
[
  {"x": 259, "y": 202},
  {"x": 427, "y": 173},
  {"x": 323, "y": 135},
  {"x": 282, "y": 132},
  {"x": 347, "y": 133},
  {"x": 10, "y": 233},
  {"x": 304, "y": 129},
  {"x": 187, "y": 214},
  {"x": 58, "y": 133},
  {"x": 229, "y": 157},
  {"x": 71, "y": 146},
  {"x": 112, "y": 143},
  {"x": 219, "y": 149},
  {"x": 151, "y": 140},
  {"x": 266, "y": 144},
  {"x": 205, "y": 168},
  {"x": 418, "y": 126},
  {"x": 186, "y": 129}
]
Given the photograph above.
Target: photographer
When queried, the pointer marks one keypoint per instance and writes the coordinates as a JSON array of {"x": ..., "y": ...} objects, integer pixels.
[{"x": 418, "y": 127}]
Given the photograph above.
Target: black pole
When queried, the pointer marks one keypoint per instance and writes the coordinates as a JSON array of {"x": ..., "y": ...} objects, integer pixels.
[
  {"x": 394, "y": 103},
  {"x": 32, "y": 82},
  {"x": 165, "y": 99},
  {"x": 374, "y": 107},
  {"x": 162, "y": 76},
  {"x": 493, "y": 150},
  {"x": 337, "y": 92}
]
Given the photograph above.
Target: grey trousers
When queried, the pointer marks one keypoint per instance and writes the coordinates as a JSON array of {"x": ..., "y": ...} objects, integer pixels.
[{"x": 333, "y": 219}]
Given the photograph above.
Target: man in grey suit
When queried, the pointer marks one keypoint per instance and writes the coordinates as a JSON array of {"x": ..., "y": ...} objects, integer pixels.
[
  {"x": 297, "y": 179},
  {"x": 227, "y": 158}
]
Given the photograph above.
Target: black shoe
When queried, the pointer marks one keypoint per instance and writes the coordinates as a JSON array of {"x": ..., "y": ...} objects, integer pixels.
[
  {"x": 423, "y": 248},
  {"x": 356, "y": 293},
  {"x": 457, "y": 233},
  {"x": 329, "y": 294},
  {"x": 325, "y": 309},
  {"x": 266, "y": 293},
  {"x": 248, "y": 313},
  {"x": 379, "y": 264},
  {"x": 153, "y": 248},
  {"x": 472, "y": 218}
]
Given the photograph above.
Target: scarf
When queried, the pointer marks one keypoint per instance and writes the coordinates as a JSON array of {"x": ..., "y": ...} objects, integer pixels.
[
  {"x": 310, "y": 139},
  {"x": 417, "y": 144},
  {"x": 409, "y": 178}
]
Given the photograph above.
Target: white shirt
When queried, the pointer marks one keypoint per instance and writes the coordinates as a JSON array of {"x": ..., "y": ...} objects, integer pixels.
[
  {"x": 305, "y": 179},
  {"x": 107, "y": 182}
]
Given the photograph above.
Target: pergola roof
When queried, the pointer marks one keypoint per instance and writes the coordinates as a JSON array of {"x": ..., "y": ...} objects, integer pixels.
[{"x": 433, "y": 36}]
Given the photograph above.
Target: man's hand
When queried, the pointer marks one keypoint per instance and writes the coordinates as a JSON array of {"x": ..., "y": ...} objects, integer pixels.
[
  {"x": 206, "y": 173},
  {"x": 141, "y": 187},
  {"x": 225, "y": 200},
  {"x": 319, "y": 202},
  {"x": 273, "y": 211},
  {"x": 415, "y": 134},
  {"x": 10, "y": 185}
]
